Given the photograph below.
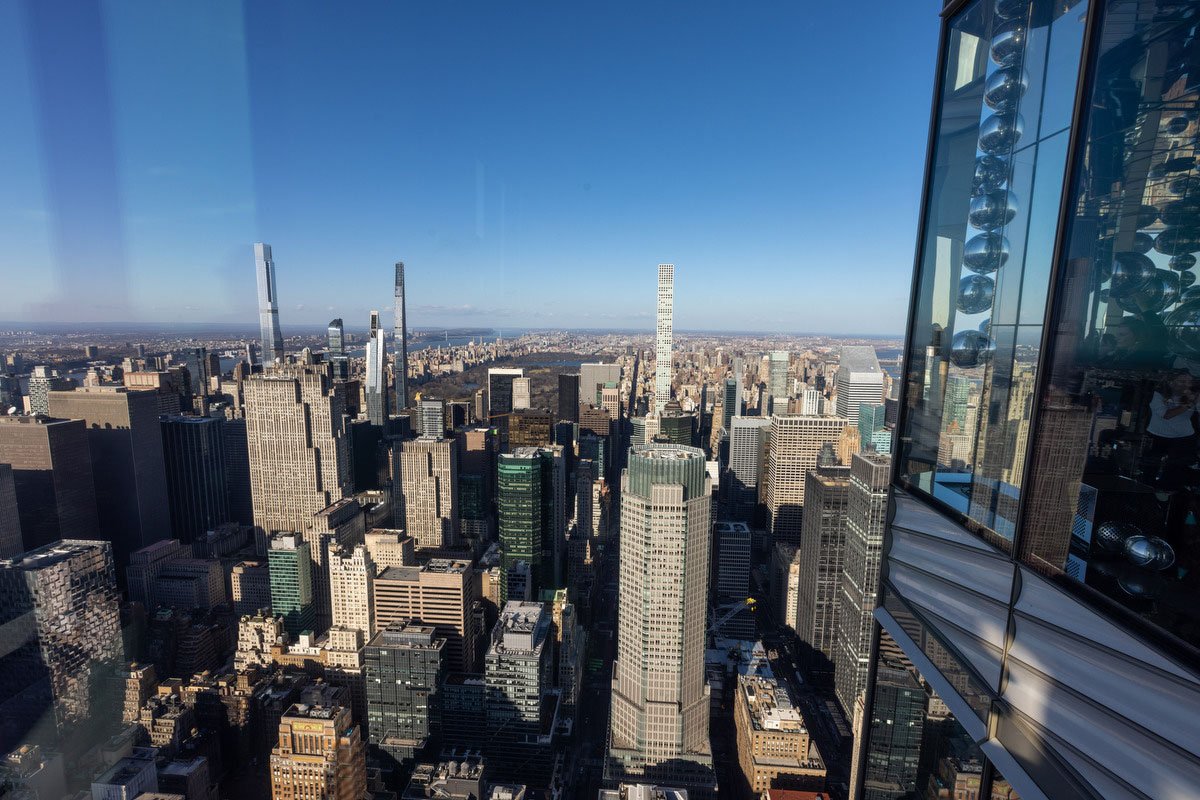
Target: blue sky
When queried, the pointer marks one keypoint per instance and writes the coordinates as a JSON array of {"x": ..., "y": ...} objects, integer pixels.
[{"x": 531, "y": 162}]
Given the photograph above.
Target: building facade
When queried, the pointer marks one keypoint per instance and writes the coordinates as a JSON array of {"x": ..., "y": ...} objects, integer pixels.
[
  {"x": 376, "y": 388},
  {"x": 400, "y": 343},
  {"x": 404, "y": 665},
  {"x": 664, "y": 337},
  {"x": 795, "y": 443},
  {"x": 319, "y": 753},
  {"x": 1039, "y": 585},
  {"x": 197, "y": 485},
  {"x": 428, "y": 468}
]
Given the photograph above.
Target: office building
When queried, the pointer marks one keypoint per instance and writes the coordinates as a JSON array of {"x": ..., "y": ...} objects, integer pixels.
[
  {"x": 268, "y": 305},
  {"x": 431, "y": 417},
  {"x": 521, "y": 396},
  {"x": 729, "y": 402},
  {"x": 500, "y": 392},
  {"x": 404, "y": 666},
  {"x": 336, "y": 342},
  {"x": 660, "y": 704},
  {"x": 60, "y": 606},
  {"x": 130, "y": 777},
  {"x": 125, "y": 443},
  {"x": 197, "y": 484},
  {"x": 773, "y": 744},
  {"x": 1039, "y": 589},
  {"x": 351, "y": 589},
  {"x": 290, "y": 562},
  {"x": 871, "y": 431},
  {"x": 341, "y": 525},
  {"x": 568, "y": 396},
  {"x": 400, "y": 332},
  {"x": 529, "y": 428},
  {"x": 376, "y": 387},
  {"x": 785, "y": 582},
  {"x": 298, "y": 450},
  {"x": 859, "y": 380},
  {"x": 821, "y": 543},
  {"x": 428, "y": 470},
  {"x": 532, "y": 516},
  {"x": 777, "y": 382},
  {"x": 593, "y": 377},
  {"x": 10, "y": 519},
  {"x": 521, "y": 703},
  {"x": 459, "y": 777},
  {"x": 52, "y": 478},
  {"x": 663, "y": 369},
  {"x": 732, "y": 573},
  {"x": 748, "y": 441},
  {"x": 440, "y": 593},
  {"x": 896, "y": 727},
  {"x": 677, "y": 427},
  {"x": 249, "y": 586},
  {"x": 389, "y": 547},
  {"x": 319, "y": 754},
  {"x": 795, "y": 443}
]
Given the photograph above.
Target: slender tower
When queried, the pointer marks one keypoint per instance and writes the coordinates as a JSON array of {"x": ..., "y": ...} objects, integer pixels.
[
  {"x": 401, "y": 343},
  {"x": 268, "y": 304},
  {"x": 337, "y": 350},
  {"x": 662, "y": 354},
  {"x": 377, "y": 389}
]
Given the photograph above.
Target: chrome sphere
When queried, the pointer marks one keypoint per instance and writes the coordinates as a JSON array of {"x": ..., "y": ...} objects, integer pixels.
[
  {"x": 1183, "y": 328},
  {"x": 992, "y": 210},
  {"x": 1182, "y": 261},
  {"x": 1186, "y": 279},
  {"x": 1147, "y": 215},
  {"x": 1140, "y": 582},
  {"x": 975, "y": 294},
  {"x": 1149, "y": 552},
  {"x": 1004, "y": 88},
  {"x": 970, "y": 348},
  {"x": 1142, "y": 243},
  {"x": 1177, "y": 125},
  {"x": 1184, "y": 212},
  {"x": 1177, "y": 241},
  {"x": 1008, "y": 44},
  {"x": 1110, "y": 536},
  {"x": 986, "y": 252},
  {"x": 1130, "y": 272},
  {"x": 990, "y": 174},
  {"x": 1011, "y": 9},
  {"x": 1190, "y": 294},
  {"x": 1156, "y": 294},
  {"x": 1187, "y": 185},
  {"x": 999, "y": 132}
]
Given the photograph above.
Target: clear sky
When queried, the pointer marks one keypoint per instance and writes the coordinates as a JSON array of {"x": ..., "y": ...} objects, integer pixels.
[{"x": 531, "y": 162}]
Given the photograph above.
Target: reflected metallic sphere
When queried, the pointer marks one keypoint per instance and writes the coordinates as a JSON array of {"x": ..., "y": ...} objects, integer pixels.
[
  {"x": 1140, "y": 583},
  {"x": 1008, "y": 45},
  {"x": 990, "y": 174},
  {"x": 1155, "y": 295},
  {"x": 1187, "y": 185},
  {"x": 1183, "y": 328},
  {"x": 1110, "y": 536},
  {"x": 1130, "y": 272},
  {"x": 1147, "y": 215},
  {"x": 1178, "y": 241},
  {"x": 975, "y": 294},
  {"x": 1142, "y": 243},
  {"x": 985, "y": 327},
  {"x": 1000, "y": 132},
  {"x": 1190, "y": 294},
  {"x": 1149, "y": 552},
  {"x": 1011, "y": 9},
  {"x": 985, "y": 253},
  {"x": 1182, "y": 261},
  {"x": 1177, "y": 125},
  {"x": 1186, "y": 279},
  {"x": 1185, "y": 212},
  {"x": 970, "y": 348},
  {"x": 992, "y": 210},
  {"x": 1004, "y": 88},
  {"x": 1179, "y": 164}
]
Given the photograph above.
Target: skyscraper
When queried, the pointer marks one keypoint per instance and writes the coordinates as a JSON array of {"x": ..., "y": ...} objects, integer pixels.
[
  {"x": 568, "y": 397},
  {"x": 377, "y": 384},
  {"x": 593, "y": 377},
  {"x": 336, "y": 341},
  {"x": 290, "y": 562},
  {"x": 299, "y": 452},
  {"x": 500, "y": 392},
  {"x": 663, "y": 336},
  {"x": 10, "y": 519},
  {"x": 351, "y": 589},
  {"x": 439, "y": 593},
  {"x": 777, "y": 382},
  {"x": 60, "y": 607},
  {"x": 431, "y": 416},
  {"x": 400, "y": 365},
  {"x": 748, "y": 438},
  {"x": 796, "y": 441},
  {"x": 729, "y": 402},
  {"x": 404, "y": 665},
  {"x": 859, "y": 380},
  {"x": 197, "y": 490},
  {"x": 318, "y": 754},
  {"x": 821, "y": 543},
  {"x": 268, "y": 304},
  {"x": 428, "y": 469},
  {"x": 660, "y": 704}
]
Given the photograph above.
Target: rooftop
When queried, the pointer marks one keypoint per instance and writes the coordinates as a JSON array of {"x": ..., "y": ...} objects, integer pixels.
[
  {"x": 51, "y": 554},
  {"x": 304, "y": 711}
]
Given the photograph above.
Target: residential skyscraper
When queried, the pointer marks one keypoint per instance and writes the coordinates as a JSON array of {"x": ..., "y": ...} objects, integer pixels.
[
  {"x": 42, "y": 381},
  {"x": 404, "y": 665},
  {"x": 319, "y": 754},
  {"x": 299, "y": 451},
  {"x": 52, "y": 477},
  {"x": 428, "y": 469},
  {"x": 777, "y": 382},
  {"x": 400, "y": 331},
  {"x": 197, "y": 485},
  {"x": 521, "y": 393},
  {"x": 60, "y": 606},
  {"x": 376, "y": 385},
  {"x": 660, "y": 704},
  {"x": 336, "y": 342},
  {"x": 795, "y": 443},
  {"x": 268, "y": 304},
  {"x": 663, "y": 336},
  {"x": 290, "y": 562},
  {"x": 859, "y": 380}
]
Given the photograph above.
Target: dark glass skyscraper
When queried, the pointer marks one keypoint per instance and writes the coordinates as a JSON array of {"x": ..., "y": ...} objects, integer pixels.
[
  {"x": 337, "y": 350},
  {"x": 197, "y": 486},
  {"x": 400, "y": 366},
  {"x": 403, "y": 664},
  {"x": 1042, "y": 586}
]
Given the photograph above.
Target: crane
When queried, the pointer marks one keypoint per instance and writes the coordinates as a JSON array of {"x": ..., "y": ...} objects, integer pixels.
[{"x": 730, "y": 611}]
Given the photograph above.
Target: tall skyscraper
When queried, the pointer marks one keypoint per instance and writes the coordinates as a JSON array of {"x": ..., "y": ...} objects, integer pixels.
[
  {"x": 593, "y": 377},
  {"x": 404, "y": 665},
  {"x": 125, "y": 442},
  {"x": 336, "y": 342},
  {"x": 299, "y": 452},
  {"x": 531, "y": 497},
  {"x": 400, "y": 365},
  {"x": 60, "y": 607},
  {"x": 10, "y": 519},
  {"x": 660, "y": 704},
  {"x": 729, "y": 402},
  {"x": 521, "y": 393},
  {"x": 663, "y": 336},
  {"x": 52, "y": 477},
  {"x": 268, "y": 304},
  {"x": 377, "y": 383},
  {"x": 500, "y": 392},
  {"x": 859, "y": 380},
  {"x": 795, "y": 443},
  {"x": 777, "y": 382},
  {"x": 568, "y": 397},
  {"x": 440, "y": 593},
  {"x": 319, "y": 753},
  {"x": 290, "y": 562},
  {"x": 351, "y": 589},
  {"x": 821, "y": 543},
  {"x": 431, "y": 416},
  {"x": 197, "y": 485},
  {"x": 428, "y": 470}
]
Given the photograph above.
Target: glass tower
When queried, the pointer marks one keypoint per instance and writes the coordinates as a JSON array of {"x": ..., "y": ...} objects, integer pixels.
[
  {"x": 1038, "y": 572},
  {"x": 268, "y": 304}
]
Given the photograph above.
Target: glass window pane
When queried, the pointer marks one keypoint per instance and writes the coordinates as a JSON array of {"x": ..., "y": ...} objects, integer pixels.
[
  {"x": 1115, "y": 484},
  {"x": 915, "y": 746},
  {"x": 988, "y": 240},
  {"x": 1002, "y": 789}
]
